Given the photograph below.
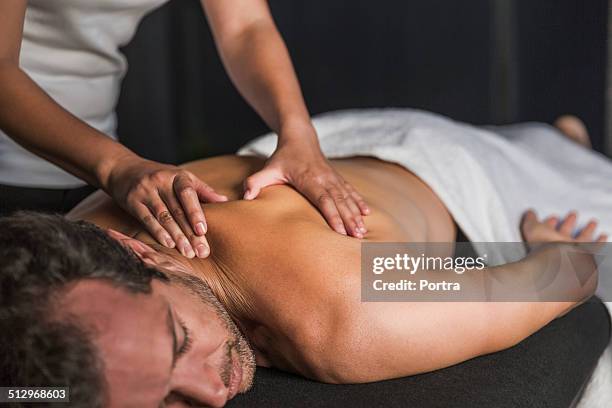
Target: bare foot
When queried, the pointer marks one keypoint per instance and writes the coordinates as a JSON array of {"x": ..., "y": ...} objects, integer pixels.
[{"x": 574, "y": 128}]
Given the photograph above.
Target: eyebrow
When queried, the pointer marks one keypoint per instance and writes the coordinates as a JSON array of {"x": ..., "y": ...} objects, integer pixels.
[{"x": 170, "y": 324}]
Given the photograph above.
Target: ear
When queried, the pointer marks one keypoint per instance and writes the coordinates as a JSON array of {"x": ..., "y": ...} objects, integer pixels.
[{"x": 139, "y": 247}]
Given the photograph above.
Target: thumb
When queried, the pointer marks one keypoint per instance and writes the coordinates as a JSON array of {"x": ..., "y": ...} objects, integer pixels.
[
  {"x": 207, "y": 194},
  {"x": 530, "y": 218},
  {"x": 528, "y": 223},
  {"x": 255, "y": 182}
]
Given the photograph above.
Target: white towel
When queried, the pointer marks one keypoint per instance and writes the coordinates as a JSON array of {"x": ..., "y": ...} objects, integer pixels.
[{"x": 486, "y": 177}]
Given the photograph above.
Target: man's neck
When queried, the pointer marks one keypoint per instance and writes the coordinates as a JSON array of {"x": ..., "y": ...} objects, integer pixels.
[
  {"x": 223, "y": 282},
  {"x": 227, "y": 288}
]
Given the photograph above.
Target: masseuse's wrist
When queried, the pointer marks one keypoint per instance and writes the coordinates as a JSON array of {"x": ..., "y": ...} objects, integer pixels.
[
  {"x": 298, "y": 131},
  {"x": 110, "y": 161}
]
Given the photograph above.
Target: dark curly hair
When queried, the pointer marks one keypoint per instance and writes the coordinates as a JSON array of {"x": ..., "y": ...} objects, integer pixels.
[{"x": 41, "y": 254}]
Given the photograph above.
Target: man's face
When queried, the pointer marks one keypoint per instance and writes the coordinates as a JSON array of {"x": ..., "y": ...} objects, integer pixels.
[{"x": 169, "y": 348}]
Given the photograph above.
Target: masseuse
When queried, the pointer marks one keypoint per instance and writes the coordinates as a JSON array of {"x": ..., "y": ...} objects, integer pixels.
[{"x": 60, "y": 76}]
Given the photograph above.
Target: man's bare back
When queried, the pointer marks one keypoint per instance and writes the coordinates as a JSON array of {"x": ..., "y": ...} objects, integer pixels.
[
  {"x": 294, "y": 285},
  {"x": 404, "y": 208}
]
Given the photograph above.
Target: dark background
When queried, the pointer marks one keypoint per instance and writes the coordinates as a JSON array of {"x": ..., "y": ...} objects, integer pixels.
[{"x": 480, "y": 61}]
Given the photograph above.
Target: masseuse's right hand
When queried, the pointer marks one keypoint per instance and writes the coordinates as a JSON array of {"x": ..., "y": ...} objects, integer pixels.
[{"x": 166, "y": 199}]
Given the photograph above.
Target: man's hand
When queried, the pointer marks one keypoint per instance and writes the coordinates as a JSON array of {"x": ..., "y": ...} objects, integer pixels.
[
  {"x": 166, "y": 200},
  {"x": 551, "y": 241},
  {"x": 302, "y": 165},
  {"x": 552, "y": 229}
]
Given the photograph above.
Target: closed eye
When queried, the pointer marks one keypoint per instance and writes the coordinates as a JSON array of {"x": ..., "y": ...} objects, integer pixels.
[{"x": 187, "y": 340}]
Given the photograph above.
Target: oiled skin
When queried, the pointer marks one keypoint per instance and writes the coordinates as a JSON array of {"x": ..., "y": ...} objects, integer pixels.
[{"x": 294, "y": 284}]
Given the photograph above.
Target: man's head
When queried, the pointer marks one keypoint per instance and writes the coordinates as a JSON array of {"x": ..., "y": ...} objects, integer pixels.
[{"x": 80, "y": 310}]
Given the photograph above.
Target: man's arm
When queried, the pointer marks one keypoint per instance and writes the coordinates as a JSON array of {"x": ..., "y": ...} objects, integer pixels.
[{"x": 366, "y": 342}]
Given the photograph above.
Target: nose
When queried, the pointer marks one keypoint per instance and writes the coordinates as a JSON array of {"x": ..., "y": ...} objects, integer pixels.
[
  {"x": 202, "y": 385},
  {"x": 213, "y": 389}
]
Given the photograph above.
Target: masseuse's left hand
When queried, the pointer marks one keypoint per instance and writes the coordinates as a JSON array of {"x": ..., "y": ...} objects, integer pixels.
[{"x": 299, "y": 162}]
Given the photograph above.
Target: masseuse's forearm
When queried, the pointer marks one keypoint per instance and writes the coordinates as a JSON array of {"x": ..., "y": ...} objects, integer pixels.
[
  {"x": 259, "y": 64},
  {"x": 35, "y": 121}
]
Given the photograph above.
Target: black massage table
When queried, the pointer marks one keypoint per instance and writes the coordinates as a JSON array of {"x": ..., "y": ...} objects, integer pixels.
[{"x": 548, "y": 369}]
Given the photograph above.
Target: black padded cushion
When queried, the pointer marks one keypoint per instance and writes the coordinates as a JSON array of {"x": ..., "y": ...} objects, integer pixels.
[{"x": 548, "y": 369}]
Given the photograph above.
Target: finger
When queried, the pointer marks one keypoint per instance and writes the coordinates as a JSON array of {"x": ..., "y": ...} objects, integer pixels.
[
  {"x": 363, "y": 207},
  {"x": 323, "y": 201},
  {"x": 207, "y": 194},
  {"x": 530, "y": 219},
  {"x": 341, "y": 202},
  {"x": 185, "y": 191},
  {"x": 602, "y": 238},
  {"x": 149, "y": 220},
  {"x": 197, "y": 244},
  {"x": 326, "y": 205},
  {"x": 187, "y": 240},
  {"x": 586, "y": 234},
  {"x": 569, "y": 223},
  {"x": 528, "y": 223},
  {"x": 255, "y": 182},
  {"x": 166, "y": 219},
  {"x": 356, "y": 213},
  {"x": 552, "y": 221}
]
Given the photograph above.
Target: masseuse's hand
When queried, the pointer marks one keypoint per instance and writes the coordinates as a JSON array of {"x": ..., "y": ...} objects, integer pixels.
[
  {"x": 166, "y": 199},
  {"x": 301, "y": 164}
]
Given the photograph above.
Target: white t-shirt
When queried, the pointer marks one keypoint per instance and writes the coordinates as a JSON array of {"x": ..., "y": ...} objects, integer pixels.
[{"x": 70, "y": 48}]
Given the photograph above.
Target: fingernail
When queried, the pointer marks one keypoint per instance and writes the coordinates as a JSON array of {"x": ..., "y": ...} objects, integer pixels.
[
  {"x": 200, "y": 228},
  {"x": 188, "y": 251},
  {"x": 170, "y": 243},
  {"x": 202, "y": 251},
  {"x": 363, "y": 230},
  {"x": 247, "y": 195}
]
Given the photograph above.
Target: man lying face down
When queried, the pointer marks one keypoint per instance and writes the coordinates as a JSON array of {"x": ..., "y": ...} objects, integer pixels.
[
  {"x": 128, "y": 323},
  {"x": 86, "y": 312}
]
